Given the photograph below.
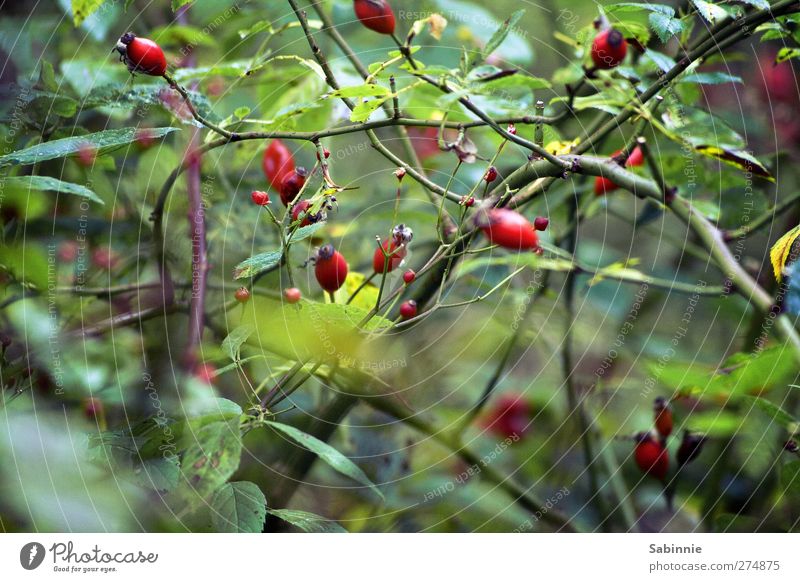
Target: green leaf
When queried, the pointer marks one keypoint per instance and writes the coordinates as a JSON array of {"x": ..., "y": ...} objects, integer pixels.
[
  {"x": 259, "y": 26},
  {"x": 327, "y": 453},
  {"x": 307, "y": 522},
  {"x": 241, "y": 112},
  {"x": 710, "y": 78},
  {"x": 159, "y": 474},
  {"x": 640, "y": 6},
  {"x": 48, "y": 184},
  {"x": 360, "y": 91},
  {"x": 257, "y": 264},
  {"x": 664, "y": 26},
  {"x": 365, "y": 109},
  {"x": 660, "y": 60},
  {"x": 212, "y": 410},
  {"x": 103, "y": 141},
  {"x": 760, "y": 4},
  {"x": 232, "y": 344},
  {"x": 774, "y": 411},
  {"x": 306, "y": 231},
  {"x": 239, "y": 507},
  {"x": 120, "y": 96},
  {"x": 710, "y": 12},
  {"x": 47, "y": 77},
  {"x": 502, "y": 33},
  {"x": 211, "y": 457},
  {"x": 82, "y": 9},
  {"x": 790, "y": 478},
  {"x": 520, "y": 80},
  {"x": 176, "y": 4},
  {"x": 182, "y": 34},
  {"x": 708, "y": 209}
]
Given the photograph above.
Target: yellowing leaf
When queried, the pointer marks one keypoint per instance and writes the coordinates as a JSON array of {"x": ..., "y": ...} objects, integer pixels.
[
  {"x": 737, "y": 158},
  {"x": 781, "y": 250},
  {"x": 365, "y": 299},
  {"x": 82, "y": 9},
  {"x": 558, "y": 148}
]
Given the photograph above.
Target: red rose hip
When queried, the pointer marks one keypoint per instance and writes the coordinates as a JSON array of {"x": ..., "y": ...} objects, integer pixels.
[
  {"x": 242, "y": 295},
  {"x": 331, "y": 268},
  {"x": 651, "y": 456},
  {"x": 278, "y": 161},
  {"x": 408, "y": 309},
  {"x": 292, "y": 184},
  {"x": 541, "y": 223},
  {"x": 260, "y": 198},
  {"x": 376, "y": 15},
  {"x": 379, "y": 262},
  {"x": 141, "y": 55},
  {"x": 292, "y": 295},
  {"x": 609, "y": 49},
  {"x": 662, "y": 417},
  {"x": 508, "y": 229}
]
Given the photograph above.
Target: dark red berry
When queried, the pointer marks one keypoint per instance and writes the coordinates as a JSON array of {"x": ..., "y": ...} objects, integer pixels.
[
  {"x": 663, "y": 417},
  {"x": 104, "y": 258},
  {"x": 292, "y": 295},
  {"x": 409, "y": 277},
  {"x": 205, "y": 373},
  {"x": 141, "y": 55},
  {"x": 376, "y": 15},
  {"x": 93, "y": 408},
  {"x": 242, "y": 295},
  {"x": 68, "y": 251},
  {"x": 299, "y": 209},
  {"x": 331, "y": 268},
  {"x": 325, "y": 152},
  {"x": 778, "y": 79},
  {"x": 379, "y": 261},
  {"x": 260, "y": 198},
  {"x": 408, "y": 309},
  {"x": 491, "y": 174},
  {"x": 508, "y": 229},
  {"x": 636, "y": 158},
  {"x": 292, "y": 184},
  {"x": 691, "y": 445},
  {"x": 609, "y": 49},
  {"x": 509, "y": 417},
  {"x": 469, "y": 202},
  {"x": 651, "y": 456},
  {"x": 541, "y": 223},
  {"x": 278, "y": 161}
]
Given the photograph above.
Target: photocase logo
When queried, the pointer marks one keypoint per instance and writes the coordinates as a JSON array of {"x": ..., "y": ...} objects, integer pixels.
[{"x": 31, "y": 555}]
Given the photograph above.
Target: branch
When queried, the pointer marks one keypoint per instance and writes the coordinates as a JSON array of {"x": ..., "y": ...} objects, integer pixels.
[{"x": 766, "y": 218}]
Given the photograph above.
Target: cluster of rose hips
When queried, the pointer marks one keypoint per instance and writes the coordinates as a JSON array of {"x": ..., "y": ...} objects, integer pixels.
[
  {"x": 503, "y": 227},
  {"x": 650, "y": 452}
]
